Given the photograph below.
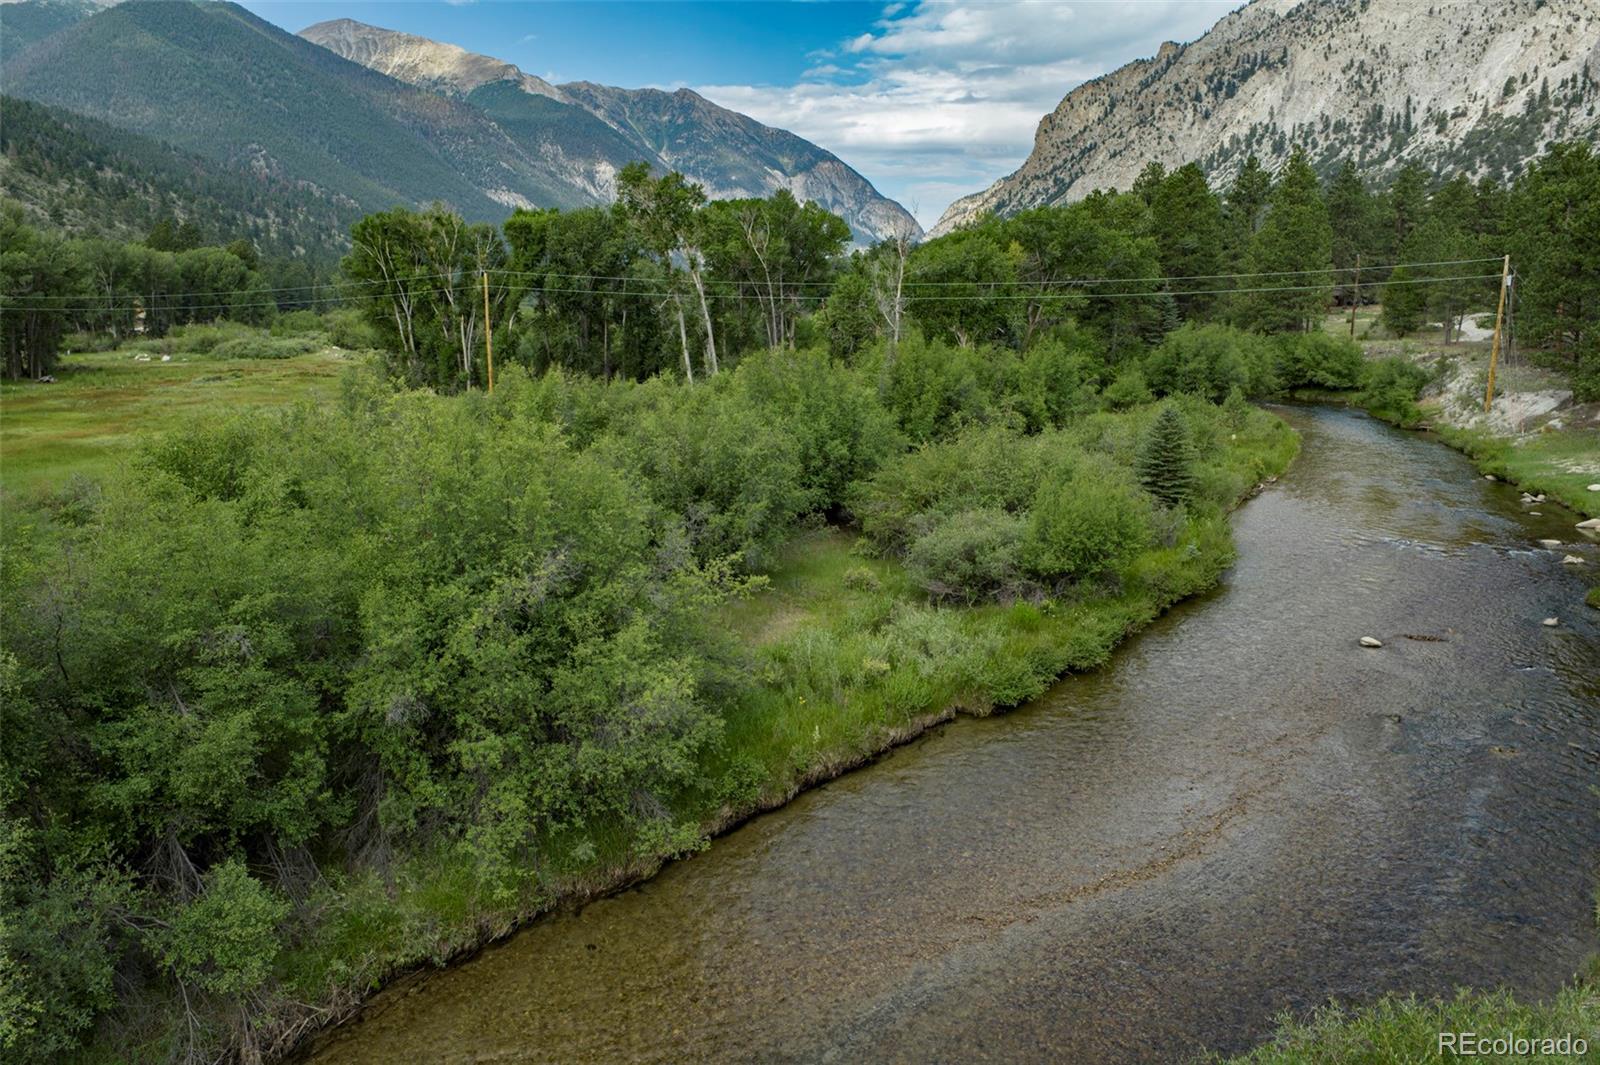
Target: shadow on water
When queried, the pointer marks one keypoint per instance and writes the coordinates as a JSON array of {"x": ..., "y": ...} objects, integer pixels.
[{"x": 1244, "y": 812}]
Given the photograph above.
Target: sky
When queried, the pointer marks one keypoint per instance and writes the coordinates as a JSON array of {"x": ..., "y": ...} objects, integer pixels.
[{"x": 930, "y": 99}]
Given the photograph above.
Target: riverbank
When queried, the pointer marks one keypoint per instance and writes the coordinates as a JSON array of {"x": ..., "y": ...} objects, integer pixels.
[
  {"x": 850, "y": 661},
  {"x": 1534, "y": 435},
  {"x": 1148, "y": 821},
  {"x": 1408, "y": 1028}
]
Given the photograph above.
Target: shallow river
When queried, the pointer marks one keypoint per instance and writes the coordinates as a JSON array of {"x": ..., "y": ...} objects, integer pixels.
[{"x": 1244, "y": 812}]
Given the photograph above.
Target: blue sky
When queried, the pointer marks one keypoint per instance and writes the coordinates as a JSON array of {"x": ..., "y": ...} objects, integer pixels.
[{"x": 930, "y": 99}]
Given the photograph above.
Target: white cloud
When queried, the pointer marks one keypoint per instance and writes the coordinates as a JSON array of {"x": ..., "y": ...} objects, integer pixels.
[{"x": 940, "y": 99}]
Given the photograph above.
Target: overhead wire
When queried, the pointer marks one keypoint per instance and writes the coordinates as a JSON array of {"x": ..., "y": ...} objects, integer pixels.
[
  {"x": 177, "y": 301},
  {"x": 92, "y": 303}
]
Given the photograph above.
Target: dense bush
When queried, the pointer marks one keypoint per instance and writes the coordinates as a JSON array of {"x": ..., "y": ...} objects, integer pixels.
[
  {"x": 1318, "y": 360},
  {"x": 267, "y": 347},
  {"x": 1085, "y": 523},
  {"x": 1056, "y": 380},
  {"x": 969, "y": 556},
  {"x": 1389, "y": 389},
  {"x": 983, "y": 468},
  {"x": 346, "y": 328},
  {"x": 1210, "y": 361},
  {"x": 934, "y": 388},
  {"x": 842, "y": 433}
]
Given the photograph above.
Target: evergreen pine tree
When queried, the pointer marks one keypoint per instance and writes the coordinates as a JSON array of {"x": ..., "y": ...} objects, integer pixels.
[
  {"x": 1292, "y": 247},
  {"x": 1186, "y": 220},
  {"x": 1352, "y": 215},
  {"x": 1165, "y": 462}
]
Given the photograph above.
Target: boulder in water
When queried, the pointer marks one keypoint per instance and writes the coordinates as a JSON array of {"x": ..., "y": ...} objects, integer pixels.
[
  {"x": 1552, "y": 622},
  {"x": 1572, "y": 560},
  {"x": 1371, "y": 641},
  {"x": 1549, "y": 543},
  {"x": 1592, "y": 523}
]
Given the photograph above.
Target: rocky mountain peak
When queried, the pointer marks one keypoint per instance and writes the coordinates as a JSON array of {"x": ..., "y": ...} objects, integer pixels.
[
  {"x": 421, "y": 61},
  {"x": 1455, "y": 85}
]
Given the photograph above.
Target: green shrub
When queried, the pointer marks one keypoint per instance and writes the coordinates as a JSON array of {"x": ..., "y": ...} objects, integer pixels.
[
  {"x": 1210, "y": 361},
  {"x": 969, "y": 556},
  {"x": 204, "y": 338},
  {"x": 982, "y": 468},
  {"x": 1128, "y": 390},
  {"x": 934, "y": 389},
  {"x": 225, "y": 940},
  {"x": 1389, "y": 389},
  {"x": 1055, "y": 380},
  {"x": 861, "y": 579},
  {"x": 262, "y": 346},
  {"x": 1318, "y": 360},
  {"x": 297, "y": 323},
  {"x": 1084, "y": 524},
  {"x": 347, "y": 328},
  {"x": 94, "y": 342},
  {"x": 832, "y": 413}
]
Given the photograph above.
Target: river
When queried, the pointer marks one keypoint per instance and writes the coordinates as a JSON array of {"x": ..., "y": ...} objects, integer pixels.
[{"x": 1244, "y": 812}]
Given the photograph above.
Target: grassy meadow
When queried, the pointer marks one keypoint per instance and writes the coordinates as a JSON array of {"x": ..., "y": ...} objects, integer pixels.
[{"x": 104, "y": 404}]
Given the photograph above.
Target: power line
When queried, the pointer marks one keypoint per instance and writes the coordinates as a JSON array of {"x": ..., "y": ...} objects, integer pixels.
[
  {"x": 175, "y": 301},
  {"x": 1070, "y": 282},
  {"x": 466, "y": 277}
]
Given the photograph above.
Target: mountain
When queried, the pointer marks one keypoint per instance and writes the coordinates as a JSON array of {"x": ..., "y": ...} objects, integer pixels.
[
  {"x": 590, "y": 131},
  {"x": 22, "y": 25},
  {"x": 1455, "y": 85},
  {"x": 92, "y": 179},
  {"x": 216, "y": 80}
]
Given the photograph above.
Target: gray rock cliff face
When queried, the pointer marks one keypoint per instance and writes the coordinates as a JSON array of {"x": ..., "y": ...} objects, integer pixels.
[{"x": 1456, "y": 85}]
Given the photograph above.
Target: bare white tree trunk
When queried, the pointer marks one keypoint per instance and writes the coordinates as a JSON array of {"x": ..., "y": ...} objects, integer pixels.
[
  {"x": 705, "y": 312},
  {"x": 683, "y": 337}
]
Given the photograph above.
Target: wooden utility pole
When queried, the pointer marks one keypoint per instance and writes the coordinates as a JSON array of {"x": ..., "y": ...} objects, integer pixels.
[
  {"x": 1499, "y": 317},
  {"x": 488, "y": 332},
  {"x": 1355, "y": 297}
]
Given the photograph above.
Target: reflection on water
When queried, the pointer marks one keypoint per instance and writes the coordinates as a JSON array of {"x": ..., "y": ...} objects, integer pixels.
[{"x": 1244, "y": 812}]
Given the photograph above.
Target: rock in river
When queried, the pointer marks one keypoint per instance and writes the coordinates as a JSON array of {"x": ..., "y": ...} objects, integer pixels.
[{"x": 1371, "y": 641}]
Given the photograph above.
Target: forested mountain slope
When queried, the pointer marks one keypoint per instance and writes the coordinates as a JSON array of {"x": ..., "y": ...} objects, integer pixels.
[
  {"x": 590, "y": 131},
  {"x": 215, "y": 79},
  {"x": 86, "y": 177},
  {"x": 1457, "y": 86}
]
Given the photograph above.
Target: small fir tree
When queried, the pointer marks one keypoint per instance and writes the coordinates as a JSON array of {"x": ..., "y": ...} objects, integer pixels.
[{"x": 1165, "y": 463}]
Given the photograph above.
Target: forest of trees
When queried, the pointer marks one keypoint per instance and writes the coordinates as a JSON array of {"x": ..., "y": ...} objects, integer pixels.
[
  {"x": 253, "y": 685},
  {"x": 666, "y": 281}
]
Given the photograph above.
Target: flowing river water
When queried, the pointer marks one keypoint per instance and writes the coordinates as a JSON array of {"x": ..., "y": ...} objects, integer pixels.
[{"x": 1244, "y": 812}]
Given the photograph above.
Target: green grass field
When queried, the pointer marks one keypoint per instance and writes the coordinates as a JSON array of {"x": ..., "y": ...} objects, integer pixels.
[{"x": 102, "y": 405}]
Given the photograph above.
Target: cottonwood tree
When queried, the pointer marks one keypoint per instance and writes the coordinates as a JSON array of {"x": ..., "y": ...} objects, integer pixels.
[
  {"x": 776, "y": 252},
  {"x": 962, "y": 286},
  {"x": 665, "y": 214},
  {"x": 421, "y": 275},
  {"x": 887, "y": 269}
]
